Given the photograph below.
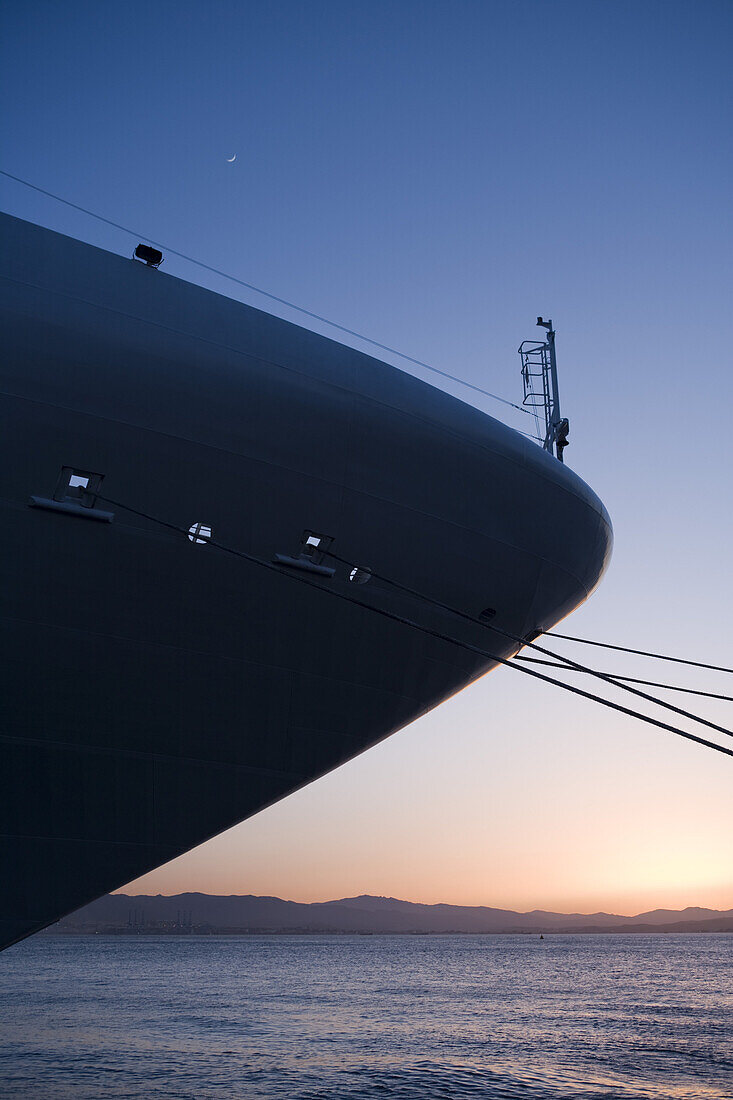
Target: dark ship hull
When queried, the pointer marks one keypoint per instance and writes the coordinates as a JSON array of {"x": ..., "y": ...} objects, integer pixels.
[{"x": 157, "y": 690}]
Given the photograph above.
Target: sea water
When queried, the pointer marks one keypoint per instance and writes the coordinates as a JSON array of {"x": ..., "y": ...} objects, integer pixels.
[{"x": 360, "y": 1017}]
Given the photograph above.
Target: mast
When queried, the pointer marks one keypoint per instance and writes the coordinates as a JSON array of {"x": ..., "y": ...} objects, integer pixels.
[{"x": 541, "y": 390}]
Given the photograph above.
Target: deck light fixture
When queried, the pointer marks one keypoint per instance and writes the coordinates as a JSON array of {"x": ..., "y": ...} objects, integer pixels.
[{"x": 150, "y": 256}]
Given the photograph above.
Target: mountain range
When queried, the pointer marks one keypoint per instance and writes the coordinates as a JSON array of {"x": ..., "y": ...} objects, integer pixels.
[{"x": 208, "y": 913}]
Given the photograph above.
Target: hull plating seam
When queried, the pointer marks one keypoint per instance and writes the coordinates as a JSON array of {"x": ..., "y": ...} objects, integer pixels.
[
  {"x": 378, "y": 498},
  {"x": 327, "y": 383}
]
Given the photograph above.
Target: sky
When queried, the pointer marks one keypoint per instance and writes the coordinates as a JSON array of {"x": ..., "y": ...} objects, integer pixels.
[{"x": 436, "y": 175}]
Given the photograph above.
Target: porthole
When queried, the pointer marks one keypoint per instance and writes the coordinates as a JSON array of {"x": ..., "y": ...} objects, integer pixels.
[
  {"x": 359, "y": 575},
  {"x": 199, "y": 532}
]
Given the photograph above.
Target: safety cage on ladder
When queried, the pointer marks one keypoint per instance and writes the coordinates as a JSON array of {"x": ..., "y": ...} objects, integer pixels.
[{"x": 539, "y": 377}]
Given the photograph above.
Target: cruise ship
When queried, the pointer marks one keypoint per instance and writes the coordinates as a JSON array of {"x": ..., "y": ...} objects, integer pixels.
[{"x": 236, "y": 554}]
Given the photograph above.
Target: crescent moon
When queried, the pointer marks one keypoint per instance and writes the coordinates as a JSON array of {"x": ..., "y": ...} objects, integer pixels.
[{"x": 231, "y": 160}]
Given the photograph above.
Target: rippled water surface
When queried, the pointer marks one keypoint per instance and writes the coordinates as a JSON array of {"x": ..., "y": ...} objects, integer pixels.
[{"x": 357, "y": 1017}]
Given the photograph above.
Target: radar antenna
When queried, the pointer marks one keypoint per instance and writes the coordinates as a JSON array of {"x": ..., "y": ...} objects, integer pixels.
[{"x": 539, "y": 375}]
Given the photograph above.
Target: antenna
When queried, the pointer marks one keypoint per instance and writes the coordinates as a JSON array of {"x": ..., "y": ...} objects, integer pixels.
[{"x": 539, "y": 375}]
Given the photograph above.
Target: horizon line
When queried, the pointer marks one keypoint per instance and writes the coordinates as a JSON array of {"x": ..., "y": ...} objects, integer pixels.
[{"x": 448, "y": 904}]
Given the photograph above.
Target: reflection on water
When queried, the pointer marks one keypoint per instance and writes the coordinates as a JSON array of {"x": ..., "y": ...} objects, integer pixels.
[{"x": 410, "y": 1017}]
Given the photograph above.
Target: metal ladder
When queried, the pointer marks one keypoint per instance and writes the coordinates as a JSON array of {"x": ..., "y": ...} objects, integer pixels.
[{"x": 539, "y": 376}]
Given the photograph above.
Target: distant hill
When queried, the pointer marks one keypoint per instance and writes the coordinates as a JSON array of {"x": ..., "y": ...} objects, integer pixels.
[{"x": 208, "y": 913}]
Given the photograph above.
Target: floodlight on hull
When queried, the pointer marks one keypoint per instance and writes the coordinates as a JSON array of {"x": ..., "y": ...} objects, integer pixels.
[{"x": 150, "y": 256}]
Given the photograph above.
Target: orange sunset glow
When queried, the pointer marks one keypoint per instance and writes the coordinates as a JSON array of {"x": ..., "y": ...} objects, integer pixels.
[{"x": 593, "y": 812}]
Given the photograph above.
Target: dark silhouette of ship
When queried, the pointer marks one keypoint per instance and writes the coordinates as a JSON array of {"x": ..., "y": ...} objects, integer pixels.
[{"x": 156, "y": 689}]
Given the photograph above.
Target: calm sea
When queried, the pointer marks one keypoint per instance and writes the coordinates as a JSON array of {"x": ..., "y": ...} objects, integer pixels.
[{"x": 361, "y": 1017}]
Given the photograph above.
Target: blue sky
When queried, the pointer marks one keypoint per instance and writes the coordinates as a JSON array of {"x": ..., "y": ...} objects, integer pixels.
[{"x": 436, "y": 175}]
